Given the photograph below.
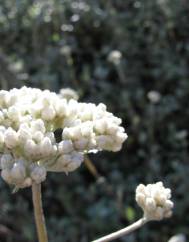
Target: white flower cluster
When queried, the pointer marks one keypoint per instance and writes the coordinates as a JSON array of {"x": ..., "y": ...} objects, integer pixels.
[
  {"x": 155, "y": 201},
  {"x": 29, "y": 119}
]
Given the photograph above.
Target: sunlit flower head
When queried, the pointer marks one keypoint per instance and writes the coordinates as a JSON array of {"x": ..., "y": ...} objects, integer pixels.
[
  {"x": 155, "y": 201},
  {"x": 29, "y": 122}
]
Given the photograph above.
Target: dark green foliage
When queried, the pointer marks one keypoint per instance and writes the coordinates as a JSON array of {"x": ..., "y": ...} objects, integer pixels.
[{"x": 60, "y": 43}]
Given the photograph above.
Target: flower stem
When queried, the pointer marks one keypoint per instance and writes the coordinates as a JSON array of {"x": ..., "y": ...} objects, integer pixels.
[
  {"x": 38, "y": 211},
  {"x": 123, "y": 232}
]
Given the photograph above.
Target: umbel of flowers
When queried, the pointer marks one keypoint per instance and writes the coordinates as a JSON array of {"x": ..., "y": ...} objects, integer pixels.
[
  {"x": 154, "y": 199},
  {"x": 29, "y": 119}
]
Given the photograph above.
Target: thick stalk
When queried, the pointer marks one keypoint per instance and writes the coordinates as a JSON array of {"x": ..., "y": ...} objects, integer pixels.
[
  {"x": 38, "y": 211},
  {"x": 123, "y": 232}
]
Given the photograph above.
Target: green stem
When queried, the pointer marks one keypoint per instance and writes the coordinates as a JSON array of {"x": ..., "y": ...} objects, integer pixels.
[{"x": 38, "y": 211}]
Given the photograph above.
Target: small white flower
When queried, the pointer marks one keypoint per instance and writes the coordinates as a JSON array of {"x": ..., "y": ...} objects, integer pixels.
[
  {"x": 11, "y": 138},
  {"x": 68, "y": 162},
  {"x": 48, "y": 113},
  {"x": 46, "y": 147},
  {"x": 51, "y": 136},
  {"x": 13, "y": 113},
  {"x": 38, "y": 136},
  {"x": 38, "y": 173},
  {"x": 154, "y": 96},
  {"x": 100, "y": 126},
  {"x": 68, "y": 94},
  {"x": 61, "y": 108},
  {"x": 38, "y": 125},
  {"x": 104, "y": 142},
  {"x": 24, "y": 134},
  {"x": 18, "y": 172},
  {"x": 30, "y": 148},
  {"x": 65, "y": 146},
  {"x": 6, "y": 161},
  {"x": 115, "y": 57},
  {"x": 81, "y": 144}
]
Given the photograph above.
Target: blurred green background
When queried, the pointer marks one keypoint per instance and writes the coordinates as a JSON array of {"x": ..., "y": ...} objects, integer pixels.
[{"x": 65, "y": 43}]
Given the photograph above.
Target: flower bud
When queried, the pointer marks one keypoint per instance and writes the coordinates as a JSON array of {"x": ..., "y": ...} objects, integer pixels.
[
  {"x": 38, "y": 136},
  {"x": 48, "y": 113},
  {"x": 140, "y": 198},
  {"x": 24, "y": 134},
  {"x": 11, "y": 138},
  {"x": 61, "y": 108},
  {"x": 65, "y": 146},
  {"x": 68, "y": 94},
  {"x": 38, "y": 173},
  {"x": 18, "y": 172},
  {"x": 115, "y": 57},
  {"x": 81, "y": 144},
  {"x": 13, "y": 114},
  {"x": 6, "y": 161},
  {"x": 30, "y": 148},
  {"x": 100, "y": 126},
  {"x": 38, "y": 125},
  {"x": 68, "y": 162},
  {"x": 46, "y": 146},
  {"x": 150, "y": 204}
]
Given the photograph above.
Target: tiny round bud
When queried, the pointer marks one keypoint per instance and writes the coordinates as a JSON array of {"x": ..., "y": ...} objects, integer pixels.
[
  {"x": 65, "y": 146},
  {"x": 115, "y": 57},
  {"x": 46, "y": 146},
  {"x": 6, "y": 161},
  {"x": 48, "y": 113},
  {"x": 30, "y": 148},
  {"x": 38, "y": 125},
  {"x": 38, "y": 173},
  {"x": 150, "y": 204},
  {"x": 81, "y": 144},
  {"x": 13, "y": 113},
  {"x": 24, "y": 134},
  {"x": 68, "y": 94},
  {"x": 18, "y": 172},
  {"x": 140, "y": 198},
  {"x": 38, "y": 136},
  {"x": 100, "y": 126},
  {"x": 11, "y": 138}
]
